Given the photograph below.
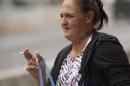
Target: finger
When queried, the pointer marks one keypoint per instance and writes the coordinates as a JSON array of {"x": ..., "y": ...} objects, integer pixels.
[
  {"x": 31, "y": 62},
  {"x": 31, "y": 68},
  {"x": 34, "y": 58},
  {"x": 27, "y": 54},
  {"x": 39, "y": 57},
  {"x": 34, "y": 73}
]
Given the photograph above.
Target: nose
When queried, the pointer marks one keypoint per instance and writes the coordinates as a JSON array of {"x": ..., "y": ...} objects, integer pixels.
[{"x": 64, "y": 21}]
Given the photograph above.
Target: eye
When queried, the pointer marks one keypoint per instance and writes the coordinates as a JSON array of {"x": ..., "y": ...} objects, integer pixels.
[
  {"x": 69, "y": 15},
  {"x": 61, "y": 15},
  {"x": 66, "y": 15}
]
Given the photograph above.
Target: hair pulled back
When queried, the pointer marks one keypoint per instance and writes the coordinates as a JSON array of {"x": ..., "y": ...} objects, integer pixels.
[{"x": 100, "y": 17}]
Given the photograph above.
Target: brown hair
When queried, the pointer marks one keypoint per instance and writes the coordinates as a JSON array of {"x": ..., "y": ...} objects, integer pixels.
[{"x": 100, "y": 17}]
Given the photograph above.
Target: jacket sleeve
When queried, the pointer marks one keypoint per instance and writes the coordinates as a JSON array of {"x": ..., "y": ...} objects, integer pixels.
[{"x": 112, "y": 61}]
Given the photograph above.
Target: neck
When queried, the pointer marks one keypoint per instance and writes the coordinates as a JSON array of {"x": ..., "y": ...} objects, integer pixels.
[{"x": 78, "y": 46}]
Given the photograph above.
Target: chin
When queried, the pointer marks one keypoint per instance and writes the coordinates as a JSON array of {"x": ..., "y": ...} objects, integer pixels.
[{"x": 68, "y": 38}]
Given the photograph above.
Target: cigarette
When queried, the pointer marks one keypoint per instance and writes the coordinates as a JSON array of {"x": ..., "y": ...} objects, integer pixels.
[
  {"x": 18, "y": 53},
  {"x": 21, "y": 52}
]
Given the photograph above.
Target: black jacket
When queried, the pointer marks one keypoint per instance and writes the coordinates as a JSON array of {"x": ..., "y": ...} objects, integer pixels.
[{"x": 104, "y": 62}]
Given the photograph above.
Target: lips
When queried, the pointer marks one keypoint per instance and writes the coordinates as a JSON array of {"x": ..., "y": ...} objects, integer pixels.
[{"x": 66, "y": 29}]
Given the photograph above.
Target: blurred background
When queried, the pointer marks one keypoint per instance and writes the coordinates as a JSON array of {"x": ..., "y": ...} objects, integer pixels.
[{"x": 35, "y": 24}]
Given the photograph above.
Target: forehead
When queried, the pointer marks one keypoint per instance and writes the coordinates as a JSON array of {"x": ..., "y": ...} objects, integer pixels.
[{"x": 70, "y": 5}]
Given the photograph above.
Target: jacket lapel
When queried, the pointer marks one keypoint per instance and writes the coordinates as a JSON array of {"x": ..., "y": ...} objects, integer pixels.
[{"x": 88, "y": 53}]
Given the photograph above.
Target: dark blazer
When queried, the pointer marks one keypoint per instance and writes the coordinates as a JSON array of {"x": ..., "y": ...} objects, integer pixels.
[{"x": 104, "y": 62}]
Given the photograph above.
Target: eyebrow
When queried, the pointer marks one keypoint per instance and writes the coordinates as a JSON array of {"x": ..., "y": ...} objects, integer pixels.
[{"x": 68, "y": 12}]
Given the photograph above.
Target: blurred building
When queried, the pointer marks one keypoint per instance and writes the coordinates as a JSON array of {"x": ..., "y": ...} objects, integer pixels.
[
  {"x": 26, "y": 2},
  {"x": 22, "y": 15},
  {"x": 121, "y": 8}
]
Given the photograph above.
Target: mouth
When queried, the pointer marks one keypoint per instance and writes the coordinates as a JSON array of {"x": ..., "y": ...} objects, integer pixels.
[{"x": 66, "y": 29}]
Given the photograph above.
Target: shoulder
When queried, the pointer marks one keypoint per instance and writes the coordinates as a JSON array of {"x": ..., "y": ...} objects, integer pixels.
[
  {"x": 65, "y": 50},
  {"x": 109, "y": 51},
  {"x": 106, "y": 40},
  {"x": 104, "y": 37},
  {"x": 61, "y": 55},
  {"x": 58, "y": 61},
  {"x": 101, "y": 39}
]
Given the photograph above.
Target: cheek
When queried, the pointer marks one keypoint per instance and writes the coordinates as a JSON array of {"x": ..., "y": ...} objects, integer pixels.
[
  {"x": 73, "y": 23},
  {"x": 78, "y": 22}
]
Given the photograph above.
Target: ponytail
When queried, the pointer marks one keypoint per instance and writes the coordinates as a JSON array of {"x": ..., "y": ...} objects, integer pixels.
[
  {"x": 100, "y": 17},
  {"x": 103, "y": 16}
]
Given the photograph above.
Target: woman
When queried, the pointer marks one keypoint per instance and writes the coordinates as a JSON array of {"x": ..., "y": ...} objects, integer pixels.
[{"x": 92, "y": 58}]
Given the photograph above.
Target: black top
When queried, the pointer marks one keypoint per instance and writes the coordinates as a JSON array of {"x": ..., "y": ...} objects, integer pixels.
[{"x": 104, "y": 62}]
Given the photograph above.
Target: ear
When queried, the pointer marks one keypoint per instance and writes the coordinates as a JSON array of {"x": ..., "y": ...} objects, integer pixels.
[{"x": 89, "y": 17}]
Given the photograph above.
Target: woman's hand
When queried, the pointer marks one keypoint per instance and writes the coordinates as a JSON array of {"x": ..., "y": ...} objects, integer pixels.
[{"x": 31, "y": 66}]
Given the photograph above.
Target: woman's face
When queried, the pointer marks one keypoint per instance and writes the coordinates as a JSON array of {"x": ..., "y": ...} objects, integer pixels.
[{"x": 73, "y": 21}]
